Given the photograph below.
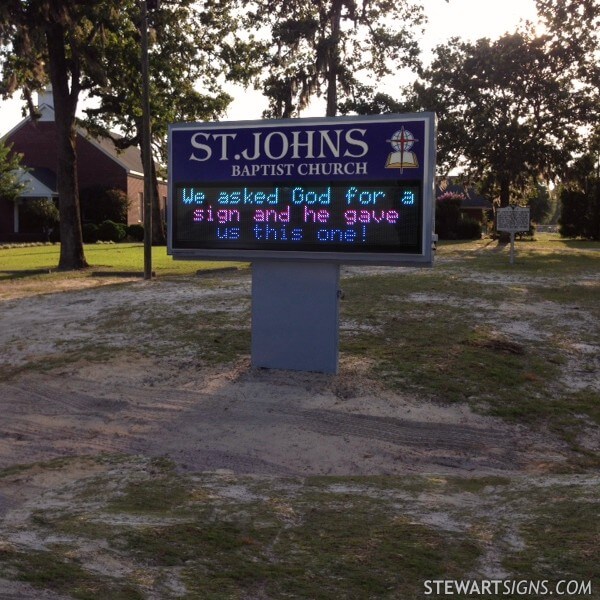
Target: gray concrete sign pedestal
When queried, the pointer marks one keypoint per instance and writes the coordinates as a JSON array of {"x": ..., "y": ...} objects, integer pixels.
[{"x": 295, "y": 315}]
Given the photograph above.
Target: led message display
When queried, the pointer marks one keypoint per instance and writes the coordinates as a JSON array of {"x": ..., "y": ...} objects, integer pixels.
[
  {"x": 345, "y": 187},
  {"x": 346, "y": 218}
]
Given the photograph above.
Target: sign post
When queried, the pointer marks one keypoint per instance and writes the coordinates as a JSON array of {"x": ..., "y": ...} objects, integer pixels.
[
  {"x": 297, "y": 198},
  {"x": 513, "y": 219}
]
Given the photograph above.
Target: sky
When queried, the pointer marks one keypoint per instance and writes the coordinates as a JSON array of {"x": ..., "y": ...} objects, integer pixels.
[{"x": 468, "y": 19}]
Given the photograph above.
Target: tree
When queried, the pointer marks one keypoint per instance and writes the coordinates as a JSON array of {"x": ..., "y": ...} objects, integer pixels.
[
  {"x": 580, "y": 212},
  {"x": 366, "y": 101},
  {"x": 190, "y": 45},
  {"x": 580, "y": 196},
  {"x": 447, "y": 215},
  {"x": 10, "y": 163},
  {"x": 41, "y": 214},
  {"x": 56, "y": 41},
  {"x": 538, "y": 200},
  {"x": 100, "y": 204},
  {"x": 573, "y": 28},
  {"x": 325, "y": 46},
  {"x": 507, "y": 108}
]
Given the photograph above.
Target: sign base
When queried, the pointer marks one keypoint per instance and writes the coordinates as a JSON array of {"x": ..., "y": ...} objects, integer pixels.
[{"x": 295, "y": 316}]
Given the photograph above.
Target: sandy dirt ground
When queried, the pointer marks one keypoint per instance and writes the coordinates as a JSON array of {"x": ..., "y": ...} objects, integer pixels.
[
  {"x": 221, "y": 418},
  {"x": 239, "y": 418}
]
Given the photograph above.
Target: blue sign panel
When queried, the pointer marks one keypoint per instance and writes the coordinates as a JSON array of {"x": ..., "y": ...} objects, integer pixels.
[{"x": 342, "y": 189}]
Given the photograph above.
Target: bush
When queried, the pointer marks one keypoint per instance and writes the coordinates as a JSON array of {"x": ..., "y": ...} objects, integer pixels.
[
  {"x": 468, "y": 229},
  {"x": 90, "y": 233},
  {"x": 40, "y": 215},
  {"x": 447, "y": 215},
  {"x": 99, "y": 204},
  {"x": 109, "y": 231},
  {"x": 580, "y": 212},
  {"x": 135, "y": 233}
]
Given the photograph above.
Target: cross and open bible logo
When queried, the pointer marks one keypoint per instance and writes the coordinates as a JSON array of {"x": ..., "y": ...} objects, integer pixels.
[{"x": 402, "y": 158}]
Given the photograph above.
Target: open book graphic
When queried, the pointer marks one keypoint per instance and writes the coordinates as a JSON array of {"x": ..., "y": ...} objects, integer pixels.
[{"x": 402, "y": 160}]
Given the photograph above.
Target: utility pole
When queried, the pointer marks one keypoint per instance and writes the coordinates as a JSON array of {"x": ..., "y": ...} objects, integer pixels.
[{"x": 146, "y": 135}]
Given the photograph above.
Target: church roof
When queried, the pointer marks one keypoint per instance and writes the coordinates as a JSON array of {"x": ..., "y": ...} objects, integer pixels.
[
  {"x": 129, "y": 158},
  {"x": 39, "y": 183},
  {"x": 472, "y": 198}
]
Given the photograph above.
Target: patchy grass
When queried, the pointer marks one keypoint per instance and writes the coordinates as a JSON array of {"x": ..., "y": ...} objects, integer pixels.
[
  {"x": 454, "y": 333},
  {"x": 214, "y": 336},
  {"x": 223, "y": 536},
  {"x": 440, "y": 333},
  {"x": 567, "y": 515},
  {"x": 51, "y": 570},
  {"x": 441, "y": 348}
]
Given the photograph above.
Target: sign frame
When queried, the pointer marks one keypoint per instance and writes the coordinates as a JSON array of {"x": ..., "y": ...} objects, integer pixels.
[
  {"x": 224, "y": 131},
  {"x": 517, "y": 217}
]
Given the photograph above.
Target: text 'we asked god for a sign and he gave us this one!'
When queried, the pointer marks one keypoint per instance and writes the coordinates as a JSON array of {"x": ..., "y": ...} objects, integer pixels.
[{"x": 346, "y": 215}]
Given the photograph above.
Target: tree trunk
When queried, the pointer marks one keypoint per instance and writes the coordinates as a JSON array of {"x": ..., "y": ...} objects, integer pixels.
[
  {"x": 504, "y": 191},
  {"x": 159, "y": 237},
  {"x": 65, "y": 102},
  {"x": 334, "y": 59},
  {"x": 504, "y": 236}
]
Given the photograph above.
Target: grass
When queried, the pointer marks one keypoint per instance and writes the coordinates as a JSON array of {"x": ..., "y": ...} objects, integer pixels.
[
  {"x": 104, "y": 259},
  {"x": 570, "y": 517},
  {"x": 440, "y": 347},
  {"x": 50, "y": 570},
  {"x": 320, "y": 538}
]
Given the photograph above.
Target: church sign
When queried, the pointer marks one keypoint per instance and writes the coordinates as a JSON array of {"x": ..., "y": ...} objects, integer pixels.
[{"x": 346, "y": 189}]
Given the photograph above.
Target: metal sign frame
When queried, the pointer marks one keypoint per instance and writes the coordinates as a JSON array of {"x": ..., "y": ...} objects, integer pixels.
[
  {"x": 513, "y": 219},
  {"x": 207, "y": 153}
]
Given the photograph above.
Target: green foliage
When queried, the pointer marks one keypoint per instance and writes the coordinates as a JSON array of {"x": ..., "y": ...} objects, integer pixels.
[
  {"x": 580, "y": 212},
  {"x": 502, "y": 105},
  {"x": 538, "y": 201},
  {"x": 323, "y": 47},
  {"x": 100, "y": 204},
  {"x": 61, "y": 43},
  {"x": 580, "y": 198},
  {"x": 574, "y": 28},
  {"x": 109, "y": 231},
  {"x": 450, "y": 223},
  {"x": 40, "y": 214},
  {"x": 366, "y": 101},
  {"x": 468, "y": 229},
  {"x": 187, "y": 52},
  {"x": 135, "y": 232},
  {"x": 10, "y": 186},
  {"x": 447, "y": 215},
  {"x": 90, "y": 233},
  {"x": 192, "y": 46}
]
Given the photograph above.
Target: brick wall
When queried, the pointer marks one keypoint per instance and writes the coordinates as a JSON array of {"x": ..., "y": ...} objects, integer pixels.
[
  {"x": 135, "y": 193},
  {"x": 37, "y": 142}
]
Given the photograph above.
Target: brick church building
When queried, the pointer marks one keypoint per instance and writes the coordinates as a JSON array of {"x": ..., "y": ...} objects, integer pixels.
[{"x": 99, "y": 164}]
